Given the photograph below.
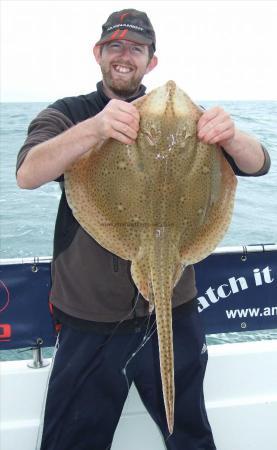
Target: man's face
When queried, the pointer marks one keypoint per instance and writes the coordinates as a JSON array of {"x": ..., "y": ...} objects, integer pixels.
[{"x": 123, "y": 65}]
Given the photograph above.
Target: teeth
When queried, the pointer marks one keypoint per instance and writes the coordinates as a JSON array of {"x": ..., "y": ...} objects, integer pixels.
[{"x": 122, "y": 69}]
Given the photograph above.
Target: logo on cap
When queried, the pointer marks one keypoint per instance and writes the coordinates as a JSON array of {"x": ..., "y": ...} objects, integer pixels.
[{"x": 122, "y": 17}]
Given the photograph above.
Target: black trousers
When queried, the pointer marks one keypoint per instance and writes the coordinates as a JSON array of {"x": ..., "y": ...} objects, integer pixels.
[{"x": 90, "y": 380}]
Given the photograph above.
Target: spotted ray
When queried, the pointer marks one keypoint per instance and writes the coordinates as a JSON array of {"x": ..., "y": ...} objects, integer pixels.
[{"x": 163, "y": 203}]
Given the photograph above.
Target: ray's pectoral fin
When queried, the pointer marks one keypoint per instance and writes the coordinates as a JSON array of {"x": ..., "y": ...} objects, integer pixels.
[{"x": 217, "y": 220}]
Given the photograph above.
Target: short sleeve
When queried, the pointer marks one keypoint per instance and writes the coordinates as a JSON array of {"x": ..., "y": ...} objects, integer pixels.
[{"x": 265, "y": 168}]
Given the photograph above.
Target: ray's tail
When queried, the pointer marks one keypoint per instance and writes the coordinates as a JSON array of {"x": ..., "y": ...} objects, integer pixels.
[{"x": 163, "y": 267}]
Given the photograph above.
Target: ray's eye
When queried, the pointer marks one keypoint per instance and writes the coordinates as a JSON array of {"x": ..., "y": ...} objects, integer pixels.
[
  {"x": 151, "y": 134},
  {"x": 183, "y": 135},
  {"x": 150, "y": 138}
]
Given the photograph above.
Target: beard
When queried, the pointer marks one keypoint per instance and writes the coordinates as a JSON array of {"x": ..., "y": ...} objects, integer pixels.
[{"x": 121, "y": 87}]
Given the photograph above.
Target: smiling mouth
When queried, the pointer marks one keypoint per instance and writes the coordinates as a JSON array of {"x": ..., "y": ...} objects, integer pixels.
[{"x": 122, "y": 69}]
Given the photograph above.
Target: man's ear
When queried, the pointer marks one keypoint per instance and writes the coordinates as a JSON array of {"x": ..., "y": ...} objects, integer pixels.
[
  {"x": 97, "y": 53},
  {"x": 152, "y": 64}
]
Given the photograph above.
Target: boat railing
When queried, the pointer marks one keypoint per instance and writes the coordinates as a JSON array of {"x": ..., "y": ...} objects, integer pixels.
[{"x": 236, "y": 292}]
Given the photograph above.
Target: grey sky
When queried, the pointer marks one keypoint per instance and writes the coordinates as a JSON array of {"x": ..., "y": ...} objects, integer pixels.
[{"x": 213, "y": 49}]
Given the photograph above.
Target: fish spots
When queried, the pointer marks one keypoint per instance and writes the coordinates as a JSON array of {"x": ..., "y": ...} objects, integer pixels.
[
  {"x": 120, "y": 207},
  {"x": 122, "y": 165},
  {"x": 106, "y": 171}
]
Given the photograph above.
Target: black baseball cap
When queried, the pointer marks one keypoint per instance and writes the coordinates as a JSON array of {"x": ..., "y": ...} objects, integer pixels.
[{"x": 129, "y": 24}]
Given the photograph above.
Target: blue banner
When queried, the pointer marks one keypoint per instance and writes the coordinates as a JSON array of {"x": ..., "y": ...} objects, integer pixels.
[
  {"x": 25, "y": 317},
  {"x": 236, "y": 292}
]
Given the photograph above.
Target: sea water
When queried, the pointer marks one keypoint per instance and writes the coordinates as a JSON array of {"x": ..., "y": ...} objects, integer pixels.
[{"x": 28, "y": 216}]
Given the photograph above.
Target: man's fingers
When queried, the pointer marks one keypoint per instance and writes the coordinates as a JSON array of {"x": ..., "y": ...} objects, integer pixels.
[
  {"x": 211, "y": 118},
  {"x": 128, "y": 108},
  {"x": 119, "y": 120},
  {"x": 212, "y": 124},
  {"x": 122, "y": 137},
  {"x": 124, "y": 118},
  {"x": 125, "y": 129},
  {"x": 221, "y": 137},
  {"x": 209, "y": 115},
  {"x": 209, "y": 133},
  {"x": 215, "y": 125},
  {"x": 127, "y": 119}
]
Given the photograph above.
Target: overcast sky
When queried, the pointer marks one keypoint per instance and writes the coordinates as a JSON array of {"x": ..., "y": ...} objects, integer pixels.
[{"x": 215, "y": 50}]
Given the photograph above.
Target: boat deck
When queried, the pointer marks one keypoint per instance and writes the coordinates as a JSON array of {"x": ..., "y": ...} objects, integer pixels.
[{"x": 240, "y": 392}]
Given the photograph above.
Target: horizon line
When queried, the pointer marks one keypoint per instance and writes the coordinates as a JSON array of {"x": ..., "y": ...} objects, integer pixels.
[{"x": 201, "y": 100}]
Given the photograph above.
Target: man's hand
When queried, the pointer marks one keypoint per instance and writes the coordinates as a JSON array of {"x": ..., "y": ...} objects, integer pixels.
[
  {"x": 215, "y": 126},
  {"x": 118, "y": 120}
]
